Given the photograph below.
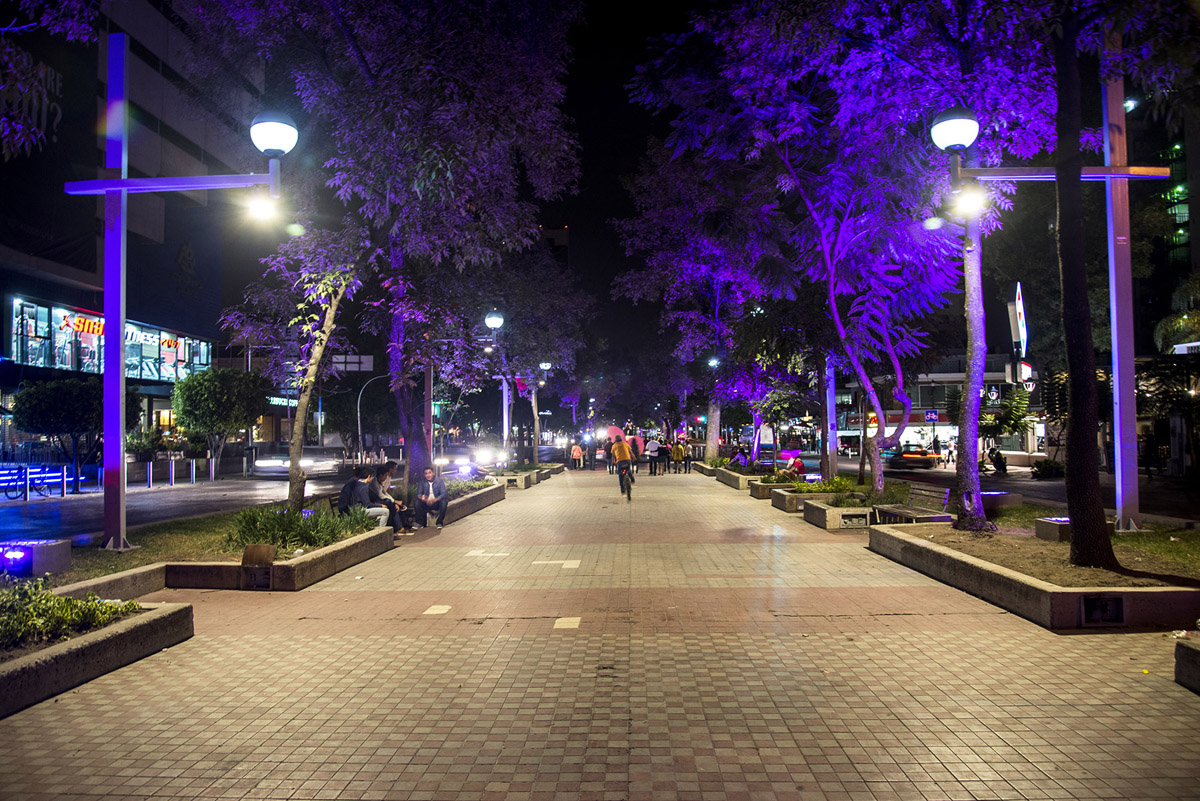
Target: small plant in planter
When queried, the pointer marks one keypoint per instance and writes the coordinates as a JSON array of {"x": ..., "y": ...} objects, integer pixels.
[
  {"x": 836, "y": 484},
  {"x": 289, "y": 531},
  {"x": 457, "y": 489},
  {"x": 30, "y": 613}
]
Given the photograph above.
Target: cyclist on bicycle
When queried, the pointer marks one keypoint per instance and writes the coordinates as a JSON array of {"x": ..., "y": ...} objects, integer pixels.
[{"x": 623, "y": 457}]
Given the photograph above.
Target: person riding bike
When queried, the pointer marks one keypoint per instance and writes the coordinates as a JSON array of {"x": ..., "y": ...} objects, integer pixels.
[{"x": 623, "y": 457}]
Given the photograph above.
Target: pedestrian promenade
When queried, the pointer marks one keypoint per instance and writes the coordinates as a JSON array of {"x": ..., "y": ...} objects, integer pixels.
[{"x": 566, "y": 644}]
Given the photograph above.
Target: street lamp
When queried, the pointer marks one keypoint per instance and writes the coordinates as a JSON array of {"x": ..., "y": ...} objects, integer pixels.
[
  {"x": 714, "y": 362},
  {"x": 269, "y": 132},
  {"x": 358, "y": 413},
  {"x": 493, "y": 320},
  {"x": 955, "y": 129}
]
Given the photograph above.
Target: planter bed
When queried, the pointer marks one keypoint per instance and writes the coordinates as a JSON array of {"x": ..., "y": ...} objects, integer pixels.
[
  {"x": 543, "y": 475},
  {"x": 762, "y": 491},
  {"x": 793, "y": 502},
  {"x": 836, "y": 518},
  {"x": 469, "y": 504},
  {"x": 555, "y": 468},
  {"x": 704, "y": 469},
  {"x": 1048, "y": 605},
  {"x": 738, "y": 481},
  {"x": 293, "y": 574},
  {"x": 64, "y": 665}
]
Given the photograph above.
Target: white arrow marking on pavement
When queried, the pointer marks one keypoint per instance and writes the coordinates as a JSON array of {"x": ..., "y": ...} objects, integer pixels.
[
  {"x": 480, "y": 552},
  {"x": 436, "y": 610},
  {"x": 566, "y": 623},
  {"x": 567, "y": 564}
]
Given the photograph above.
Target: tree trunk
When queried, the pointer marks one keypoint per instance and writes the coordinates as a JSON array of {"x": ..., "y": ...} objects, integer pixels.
[
  {"x": 712, "y": 436},
  {"x": 537, "y": 425},
  {"x": 967, "y": 502},
  {"x": 871, "y": 448},
  {"x": 296, "y": 476},
  {"x": 862, "y": 445},
  {"x": 1090, "y": 542},
  {"x": 216, "y": 444}
]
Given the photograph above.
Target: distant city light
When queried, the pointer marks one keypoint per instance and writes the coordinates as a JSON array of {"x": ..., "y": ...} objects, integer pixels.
[{"x": 714, "y": 362}]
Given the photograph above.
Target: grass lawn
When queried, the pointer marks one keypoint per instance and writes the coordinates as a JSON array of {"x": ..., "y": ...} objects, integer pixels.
[
  {"x": 1158, "y": 556},
  {"x": 198, "y": 539}
]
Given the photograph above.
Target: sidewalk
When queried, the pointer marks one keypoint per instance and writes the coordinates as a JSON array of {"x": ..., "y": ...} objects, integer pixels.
[{"x": 565, "y": 644}]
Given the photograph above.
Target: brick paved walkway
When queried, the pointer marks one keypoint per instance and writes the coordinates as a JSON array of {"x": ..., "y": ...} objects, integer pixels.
[{"x": 564, "y": 644}]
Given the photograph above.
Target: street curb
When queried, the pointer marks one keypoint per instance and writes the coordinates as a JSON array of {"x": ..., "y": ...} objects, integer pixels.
[
  {"x": 53, "y": 670},
  {"x": 738, "y": 481},
  {"x": 1048, "y": 605}
]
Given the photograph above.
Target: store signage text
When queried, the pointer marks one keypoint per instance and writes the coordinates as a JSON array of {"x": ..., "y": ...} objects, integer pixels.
[{"x": 84, "y": 325}]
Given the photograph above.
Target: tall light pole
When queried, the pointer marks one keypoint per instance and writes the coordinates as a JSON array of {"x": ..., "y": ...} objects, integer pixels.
[
  {"x": 358, "y": 413},
  {"x": 273, "y": 134},
  {"x": 956, "y": 132},
  {"x": 494, "y": 320}
]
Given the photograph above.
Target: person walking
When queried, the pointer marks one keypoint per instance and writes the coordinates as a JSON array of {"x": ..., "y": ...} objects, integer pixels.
[
  {"x": 576, "y": 457},
  {"x": 608, "y": 457}
]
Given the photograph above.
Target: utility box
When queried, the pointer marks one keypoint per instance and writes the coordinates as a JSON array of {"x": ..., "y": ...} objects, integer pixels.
[{"x": 257, "y": 561}]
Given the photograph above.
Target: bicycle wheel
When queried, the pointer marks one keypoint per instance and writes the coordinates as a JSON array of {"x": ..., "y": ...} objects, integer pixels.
[
  {"x": 38, "y": 484},
  {"x": 14, "y": 484}
]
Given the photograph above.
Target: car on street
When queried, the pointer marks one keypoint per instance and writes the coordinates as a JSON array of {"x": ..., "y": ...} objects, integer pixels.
[
  {"x": 911, "y": 456},
  {"x": 315, "y": 460}
]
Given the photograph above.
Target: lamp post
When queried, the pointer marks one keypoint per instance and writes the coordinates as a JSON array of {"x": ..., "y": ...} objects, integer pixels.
[
  {"x": 358, "y": 413},
  {"x": 537, "y": 418},
  {"x": 956, "y": 129},
  {"x": 273, "y": 134},
  {"x": 494, "y": 320}
]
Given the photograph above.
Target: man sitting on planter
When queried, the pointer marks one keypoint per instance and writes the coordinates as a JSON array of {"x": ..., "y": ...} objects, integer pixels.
[
  {"x": 431, "y": 496},
  {"x": 355, "y": 492}
]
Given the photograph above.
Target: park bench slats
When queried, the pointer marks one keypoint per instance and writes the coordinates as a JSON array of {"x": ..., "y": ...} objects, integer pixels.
[{"x": 925, "y": 505}]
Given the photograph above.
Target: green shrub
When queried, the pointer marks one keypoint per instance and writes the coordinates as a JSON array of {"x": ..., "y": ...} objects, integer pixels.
[
  {"x": 837, "y": 484},
  {"x": 456, "y": 489},
  {"x": 288, "y": 530},
  {"x": 1048, "y": 468},
  {"x": 717, "y": 462},
  {"x": 30, "y": 612},
  {"x": 848, "y": 499},
  {"x": 778, "y": 478}
]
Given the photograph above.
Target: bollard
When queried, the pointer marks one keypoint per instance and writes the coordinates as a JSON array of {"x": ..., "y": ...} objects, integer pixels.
[
  {"x": 62, "y": 485},
  {"x": 25, "y": 489},
  {"x": 192, "y": 470},
  {"x": 150, "y": 475},
  {"x": 171, "y": 473},
  {"x": 212, "y": 469}
]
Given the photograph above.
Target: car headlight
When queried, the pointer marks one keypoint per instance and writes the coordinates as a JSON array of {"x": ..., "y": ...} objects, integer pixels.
[
  {"x": 268, "y": 463},
  {"x": 484, "y": 456}
]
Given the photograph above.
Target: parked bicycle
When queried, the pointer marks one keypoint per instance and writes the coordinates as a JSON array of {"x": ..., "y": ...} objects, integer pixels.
[{"x": 14, "y": 482}]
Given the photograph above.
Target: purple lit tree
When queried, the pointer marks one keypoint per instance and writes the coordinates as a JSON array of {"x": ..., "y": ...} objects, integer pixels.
[
  {"x": 701, "y": 272},
  {"x": 435, "y": 124},
  {"x": 820, "y": 206}
]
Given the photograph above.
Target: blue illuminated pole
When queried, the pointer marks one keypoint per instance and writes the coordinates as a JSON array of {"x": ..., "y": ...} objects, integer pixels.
[
  {"x": 116, "y": 157},
  {"x": 276, "y": 135}
]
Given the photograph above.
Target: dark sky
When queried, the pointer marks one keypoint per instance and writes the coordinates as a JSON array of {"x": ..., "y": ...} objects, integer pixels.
[{"x": 612, "y": 134}]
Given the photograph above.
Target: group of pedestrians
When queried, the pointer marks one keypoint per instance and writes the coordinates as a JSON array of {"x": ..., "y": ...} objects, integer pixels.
[
  {"x": 663, "y": 456},
  {"x": 370, "y": 488}
]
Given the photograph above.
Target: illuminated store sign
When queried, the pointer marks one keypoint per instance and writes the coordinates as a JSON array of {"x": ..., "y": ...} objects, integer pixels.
[{"x": 73, "y": 339}]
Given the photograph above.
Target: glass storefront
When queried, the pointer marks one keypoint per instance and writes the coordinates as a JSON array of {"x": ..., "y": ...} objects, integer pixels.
[{"x": 73, "y": 339}]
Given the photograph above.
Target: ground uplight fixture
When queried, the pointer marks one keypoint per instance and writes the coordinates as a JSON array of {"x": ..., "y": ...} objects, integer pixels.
[
  {"x": 954, "y": 129},
  {"x": 494, "y": 319}
]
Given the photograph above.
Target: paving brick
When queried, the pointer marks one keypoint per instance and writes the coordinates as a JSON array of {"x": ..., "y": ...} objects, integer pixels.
[{"x": 724, "y": 650}]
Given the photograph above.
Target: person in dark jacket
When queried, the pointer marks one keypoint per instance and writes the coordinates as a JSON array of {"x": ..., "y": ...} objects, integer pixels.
[
  {"x": 355, "y": 492},
  {"x": 431, "y": 497},
  {"x": 399, "y": 516}
]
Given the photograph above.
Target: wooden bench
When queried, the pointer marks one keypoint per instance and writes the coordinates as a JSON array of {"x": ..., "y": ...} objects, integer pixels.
[{"x": 925, "y": 505}]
